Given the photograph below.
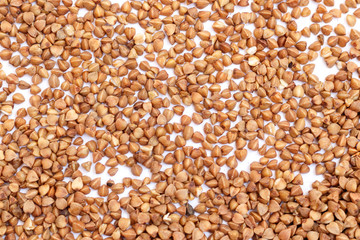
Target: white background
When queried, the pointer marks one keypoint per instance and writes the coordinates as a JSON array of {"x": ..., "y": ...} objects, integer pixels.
[{"x": 321, "y": 70}]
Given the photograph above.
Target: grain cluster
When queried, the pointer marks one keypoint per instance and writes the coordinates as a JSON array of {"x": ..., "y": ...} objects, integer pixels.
[{"x": 153, "y": 87}]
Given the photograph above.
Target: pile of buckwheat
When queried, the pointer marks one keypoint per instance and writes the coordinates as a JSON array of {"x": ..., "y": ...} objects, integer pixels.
[{"x": 153, "y": 88}]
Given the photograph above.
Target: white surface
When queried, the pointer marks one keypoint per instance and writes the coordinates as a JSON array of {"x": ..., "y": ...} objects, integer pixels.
[{"x": 321, "y": 70}]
